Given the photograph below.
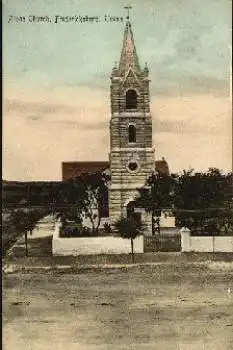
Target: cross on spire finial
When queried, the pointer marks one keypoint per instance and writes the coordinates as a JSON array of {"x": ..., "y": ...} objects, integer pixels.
[{"x": 127, "y": 8}]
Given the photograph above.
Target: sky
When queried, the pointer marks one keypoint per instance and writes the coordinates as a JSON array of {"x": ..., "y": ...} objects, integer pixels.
[{"x": 56, "y": 82}]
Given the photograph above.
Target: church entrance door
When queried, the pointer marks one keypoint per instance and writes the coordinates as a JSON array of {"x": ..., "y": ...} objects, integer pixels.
[{"x": 131, "y": 212}]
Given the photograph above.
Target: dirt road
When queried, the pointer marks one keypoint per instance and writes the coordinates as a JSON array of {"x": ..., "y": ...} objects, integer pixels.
[{"x": 160, "y": 307}]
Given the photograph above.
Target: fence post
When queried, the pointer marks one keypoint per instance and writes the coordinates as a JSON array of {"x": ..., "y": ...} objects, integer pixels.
[{"x": 185, "y": 239}]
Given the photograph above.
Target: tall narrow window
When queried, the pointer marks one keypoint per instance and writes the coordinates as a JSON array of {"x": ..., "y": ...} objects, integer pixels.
[
  {"x": 132, "y": 133},
  {"x": 131, "y": 99}
]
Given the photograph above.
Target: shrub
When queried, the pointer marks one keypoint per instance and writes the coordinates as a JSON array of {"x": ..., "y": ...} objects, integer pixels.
[{"x": 107, "y": 228}]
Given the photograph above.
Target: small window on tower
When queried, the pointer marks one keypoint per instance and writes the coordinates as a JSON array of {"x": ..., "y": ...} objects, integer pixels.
[
  {"x": 132, "y": 133},
  {"x": 131, "y": 99}
]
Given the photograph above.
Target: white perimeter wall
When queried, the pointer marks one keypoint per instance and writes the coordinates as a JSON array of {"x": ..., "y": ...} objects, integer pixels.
[
  {"x": 205, "y": 244},
  {"x": 94, "y": 245}
]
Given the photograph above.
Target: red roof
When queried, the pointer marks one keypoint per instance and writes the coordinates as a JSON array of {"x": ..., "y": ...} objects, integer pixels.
[{"x": 72, "y": 169}]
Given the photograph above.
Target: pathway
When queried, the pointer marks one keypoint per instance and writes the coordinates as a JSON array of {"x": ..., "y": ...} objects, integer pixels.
[{"x": 39, "y": 243}]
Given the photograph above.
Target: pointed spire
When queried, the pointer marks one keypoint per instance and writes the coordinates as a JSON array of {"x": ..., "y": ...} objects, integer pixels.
[{"x": 129, "y": 57}]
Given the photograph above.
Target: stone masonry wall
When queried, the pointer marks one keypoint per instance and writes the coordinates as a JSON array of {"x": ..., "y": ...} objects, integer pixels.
[{"x": 124, "y": 183}]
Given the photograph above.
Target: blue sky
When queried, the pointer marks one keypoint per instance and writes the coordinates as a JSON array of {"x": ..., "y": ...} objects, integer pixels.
[{"x": 56, "y": 75}]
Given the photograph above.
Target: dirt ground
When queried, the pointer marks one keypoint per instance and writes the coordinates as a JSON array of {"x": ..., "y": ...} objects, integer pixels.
[
  {"x": 164, "y": 302},
  {"x": 162, "y": 306}
]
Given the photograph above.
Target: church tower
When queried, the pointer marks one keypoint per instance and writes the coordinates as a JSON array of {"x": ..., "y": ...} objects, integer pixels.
[{"x": 131, "y": 152}]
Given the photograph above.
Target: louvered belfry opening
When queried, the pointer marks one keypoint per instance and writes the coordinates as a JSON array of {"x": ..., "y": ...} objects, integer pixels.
[{"x": 131, "y": 99}]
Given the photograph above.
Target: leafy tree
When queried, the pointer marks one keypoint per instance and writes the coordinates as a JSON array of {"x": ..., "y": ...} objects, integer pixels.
[
  {"x": 129, "y": 228},
  {"x": 20, "y": 222},
  {"x": 155, "y": 196},
  {"x": 25, "y": 221},
  {"x": 95, "y": 187},
  {"x": 203, "y": 201},
  {"x": 34, "y": 216},
  {"x": 83, "y": 194},
  {"x": 69, "y": 202}
]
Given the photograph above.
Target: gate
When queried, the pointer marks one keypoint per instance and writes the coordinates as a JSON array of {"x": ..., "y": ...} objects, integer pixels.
[{"x": 162, "y": 243}]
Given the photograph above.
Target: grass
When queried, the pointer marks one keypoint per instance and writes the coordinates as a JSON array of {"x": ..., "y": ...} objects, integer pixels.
[
  {"x": 37, "y": 247},
  {"x": 40, "y": 254}
]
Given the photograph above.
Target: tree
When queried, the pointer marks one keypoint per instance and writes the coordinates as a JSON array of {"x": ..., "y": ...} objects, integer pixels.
[
  {"x": 129, "y": 228},
  {"x": 34, "y": 216},
  {"x": 86, "y": 194},
  {"x": 25, "y": 221},
  {"x": 69, "y": 201},
  {"x": 95, "y": 190},
  {"x": 203, "y": 201},
  {"x": 20, "y": 222},
  {"x": 155, "y": 196}
]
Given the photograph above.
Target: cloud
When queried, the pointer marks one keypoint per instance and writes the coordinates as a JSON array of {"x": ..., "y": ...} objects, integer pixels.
[
  {"x": 46, "y": 127},
  {"x": 57, "y": 103},
  {"x": 200, "y": 151},
  {"x": 65, "y": 115},
  {"x": 186, "y": 48},
  {"x": 20, "y": 106},
  {"x": 170, "y": 126},
  {"x": 173, "y": 115},
  {"x": 82, "y": 125},
  {"x": 173, "y": 84},
  {"x": 184, "y": 126}
]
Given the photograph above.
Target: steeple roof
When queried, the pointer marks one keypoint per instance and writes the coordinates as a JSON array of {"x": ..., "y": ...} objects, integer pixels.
[{"x": 129, "y": 57}]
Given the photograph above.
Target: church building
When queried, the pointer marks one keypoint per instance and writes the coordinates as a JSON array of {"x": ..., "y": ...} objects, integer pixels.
[{"x": 131, "y": 156}]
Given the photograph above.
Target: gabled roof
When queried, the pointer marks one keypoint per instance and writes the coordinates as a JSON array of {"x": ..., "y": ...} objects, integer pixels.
[
  {"x": 129, "y": 57},
  {"x": 73, "y": 169}
]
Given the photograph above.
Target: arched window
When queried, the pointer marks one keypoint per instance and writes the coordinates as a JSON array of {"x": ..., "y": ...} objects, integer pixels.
[
  {"x": 131, "y": 99},
  {"x": 132, "y": 133}
]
